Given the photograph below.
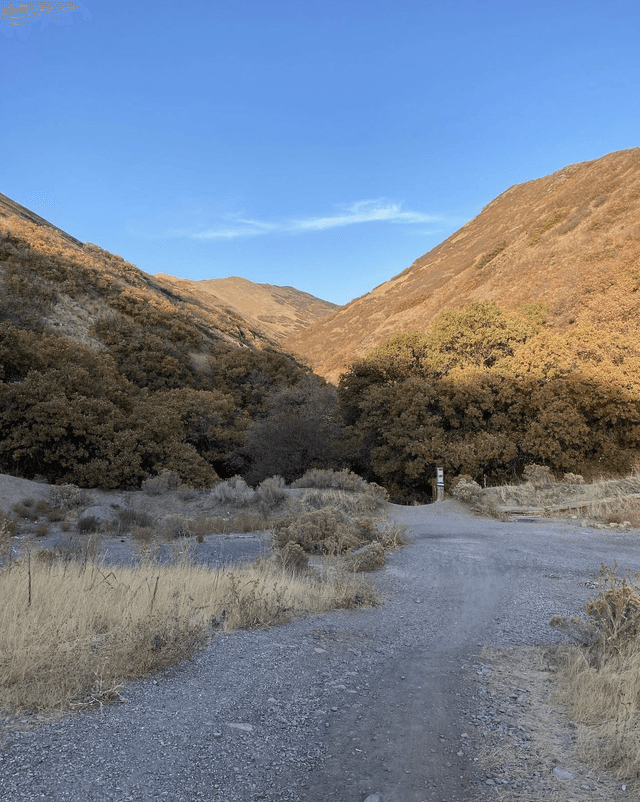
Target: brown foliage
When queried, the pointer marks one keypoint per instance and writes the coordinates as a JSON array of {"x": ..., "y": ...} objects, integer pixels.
[{"x": 485, "y": 393}]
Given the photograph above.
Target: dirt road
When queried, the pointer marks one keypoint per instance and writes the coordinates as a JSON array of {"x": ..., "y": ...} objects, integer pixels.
[{"x": 381, "y": 705}]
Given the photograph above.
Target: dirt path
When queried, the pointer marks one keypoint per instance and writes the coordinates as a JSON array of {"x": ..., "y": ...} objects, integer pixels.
[{"x": 384, "y": 705}]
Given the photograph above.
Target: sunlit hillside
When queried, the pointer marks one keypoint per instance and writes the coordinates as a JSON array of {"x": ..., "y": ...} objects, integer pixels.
[{"x": 570, "y": 240}]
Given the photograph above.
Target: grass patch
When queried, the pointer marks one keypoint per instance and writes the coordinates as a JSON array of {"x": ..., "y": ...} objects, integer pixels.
[
  {"x": 71, "y": 631},
  {"x": 599, "y": 678}
]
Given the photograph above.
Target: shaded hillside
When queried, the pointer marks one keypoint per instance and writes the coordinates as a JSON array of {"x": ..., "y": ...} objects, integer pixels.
[
  {"x": 277, "y": 312},
  {"x": 108, "y": 377},
  {"x": 570, "y": 240}
]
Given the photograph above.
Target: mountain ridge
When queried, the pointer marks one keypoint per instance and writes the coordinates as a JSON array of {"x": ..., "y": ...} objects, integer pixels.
[{"x": 275, "y": 310}]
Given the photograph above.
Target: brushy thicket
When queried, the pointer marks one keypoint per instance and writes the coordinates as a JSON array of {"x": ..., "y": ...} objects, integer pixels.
[
  {"x": 486, "y": 392},
  {"x": 148, "y": 388}
]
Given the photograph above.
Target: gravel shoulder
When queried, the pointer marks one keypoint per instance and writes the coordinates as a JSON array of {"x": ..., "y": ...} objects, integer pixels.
[{"x": 408, "y": 702}]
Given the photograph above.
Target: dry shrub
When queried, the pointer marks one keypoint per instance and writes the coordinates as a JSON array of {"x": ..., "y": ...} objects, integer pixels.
[
  {"x": 113, "y": 624},
  {"x": 42, "y": 507},
  {"x": 392, "y": 536},
  {"x": 248, "y": 521},
  {"x": 482, "y": 501},
  {"x": 293, "y": 557},
  {"x": 176, "y": 526},
  {"x": 573, "y": 479},
  {"x": 142, "y": 534},
  {"x": 327, "y": 531},
  {"x": 340, "y": 480},
  {"x": 368, "y": 558},
  {"x": 352, "y": 503},
  {"x": 624, "y": 511},
  {"x": 271, "y": 493},
  {"x": 129, "y": 518},
  {"x": 68, "y": 497},
  {"x": 158, "y": 485},
  {"x": 7, "y": 530},
  {"x": 88, "y": 525},
  {"x": 8, "y": 525},
  {"x": 55, "y": 515},
  {"x": 233, "y": 492},
  {"x": 465, "y": 489},
  {"x": 538, "y": 475},
  {"x": 42, "y": 529},
  {"x": 24, "y": 509}
]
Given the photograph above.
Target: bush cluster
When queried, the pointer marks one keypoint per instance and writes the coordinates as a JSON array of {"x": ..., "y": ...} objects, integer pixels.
[{"x": 487, "y": 392}]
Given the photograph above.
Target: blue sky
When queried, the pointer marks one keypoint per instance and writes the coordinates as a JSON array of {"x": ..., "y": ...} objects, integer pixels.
[{"x": 324, "y": 145}]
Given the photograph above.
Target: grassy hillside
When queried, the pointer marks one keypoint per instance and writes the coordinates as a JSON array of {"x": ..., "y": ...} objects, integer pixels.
[
  {"x": 570, "y": 240},
  {"x": 276, "y": 312}
]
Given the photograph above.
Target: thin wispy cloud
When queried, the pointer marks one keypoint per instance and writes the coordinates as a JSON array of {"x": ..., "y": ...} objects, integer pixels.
[{"x": 366, "y": 211}]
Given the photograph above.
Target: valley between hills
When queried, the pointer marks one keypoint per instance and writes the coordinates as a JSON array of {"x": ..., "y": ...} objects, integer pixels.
[{"x": 509, "y": 355}]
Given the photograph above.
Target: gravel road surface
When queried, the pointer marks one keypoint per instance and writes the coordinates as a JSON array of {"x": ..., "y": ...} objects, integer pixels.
[{"x": 382, "y": 705}]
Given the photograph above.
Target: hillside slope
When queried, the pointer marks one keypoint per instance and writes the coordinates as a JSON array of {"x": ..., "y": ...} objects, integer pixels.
[
  {"x": 277, "y": 312},
  {"x": 571, "y": 240},
  {"x": 109, "y": 376}
]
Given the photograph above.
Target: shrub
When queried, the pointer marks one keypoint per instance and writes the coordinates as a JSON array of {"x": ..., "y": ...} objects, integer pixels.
[
  {"x": 55, "y": 515},
  {"x": 42, "y": 529},
  {"x": 573, "y": 479},
  {"x": 8, "y": 525},
  {"x": 176, "y": 526},
  {"x": 68, "y": 497},
  {"x": 234, "y": 492},
  {"x": 293, "y": 557},
  {"x": 157, "y": 485},
  {"x": 538, "y": 475},
  {"x": 24, "y": 510},
  {"x": 327, "y": 531},
  {"x": 88, "y": 524},
  {"x": 323, "y": 478},
  {"x": 613, "y": 616},
  {"x": 466, "y": 489},
  {"x": 368, "y": 558},
  {"x": 271, "y": 492},
  {"x": 128, "y": 518},
  {"x": 374, "y": 498}
]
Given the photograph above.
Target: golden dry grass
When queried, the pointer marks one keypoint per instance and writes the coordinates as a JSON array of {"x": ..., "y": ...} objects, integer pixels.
[
  {"x": 71, "y": 632},
  {"x": 599, "y": 679},
  {"x": 610, "y": 500},
  {"x": 605, "y": 703}
]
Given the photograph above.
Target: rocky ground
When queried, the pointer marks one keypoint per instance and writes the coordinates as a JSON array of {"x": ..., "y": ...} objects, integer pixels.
[{"x": 444, "y": 692}]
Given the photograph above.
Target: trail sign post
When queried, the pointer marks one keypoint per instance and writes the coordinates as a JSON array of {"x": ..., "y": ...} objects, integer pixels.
[{"x": 440, "y": 485}]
